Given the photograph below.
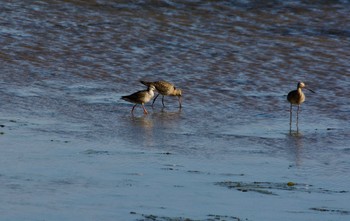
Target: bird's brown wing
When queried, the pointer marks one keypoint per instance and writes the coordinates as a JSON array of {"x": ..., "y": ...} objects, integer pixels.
[{"x": 164, "y": 87}]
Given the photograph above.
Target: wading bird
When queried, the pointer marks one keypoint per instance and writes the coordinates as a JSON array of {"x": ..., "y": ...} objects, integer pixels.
[
  {"x": 296, "y": 97},
  {"x": 165, "y": 89},
  {"x": 140, "y": 97}
]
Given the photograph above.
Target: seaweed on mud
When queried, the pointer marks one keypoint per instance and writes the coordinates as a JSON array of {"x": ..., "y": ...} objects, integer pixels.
[
  {"x": 268, "y": 187},
  {"x": 331, "y": 210},
  {"x": 210, "y": 217},
  {"x": 1, "y": 132},
  {"x": 96, "y": 152},
  {"x": 258, "y": 187}
]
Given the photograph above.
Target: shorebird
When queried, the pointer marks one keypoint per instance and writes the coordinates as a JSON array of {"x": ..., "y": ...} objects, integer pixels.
[
  {"x": 140, "y": 97},
  {"x": 296, "y": 97},
  {"x": 165, "y": 89}
]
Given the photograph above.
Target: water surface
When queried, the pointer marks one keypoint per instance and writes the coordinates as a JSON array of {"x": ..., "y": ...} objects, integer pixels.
[{"x": 70, "y": 149}]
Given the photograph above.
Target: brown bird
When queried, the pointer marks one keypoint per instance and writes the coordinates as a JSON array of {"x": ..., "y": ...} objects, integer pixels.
[
  {"x": 165, "y": 89},
  {"x": 140, "y": 97},
  {"x": 296, "y": 97}
]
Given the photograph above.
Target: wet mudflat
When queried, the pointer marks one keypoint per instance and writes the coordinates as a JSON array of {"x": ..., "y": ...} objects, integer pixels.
[{"x": 71, "y": 150}]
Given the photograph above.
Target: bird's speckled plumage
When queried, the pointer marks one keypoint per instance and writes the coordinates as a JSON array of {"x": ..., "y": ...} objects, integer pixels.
[{"x": 165, "y": 89}]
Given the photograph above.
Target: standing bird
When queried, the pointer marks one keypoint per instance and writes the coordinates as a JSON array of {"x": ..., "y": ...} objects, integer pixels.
[
  {"x": 165, "y": 89},
  {"x": 140, "y": 97},
  {"x": 296, "y": 97}
]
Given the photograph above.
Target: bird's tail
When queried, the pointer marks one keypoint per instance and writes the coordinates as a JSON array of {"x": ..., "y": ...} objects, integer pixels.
[
  {"x": 146, "y": 83},
  {"x": 125, "y": 98}
]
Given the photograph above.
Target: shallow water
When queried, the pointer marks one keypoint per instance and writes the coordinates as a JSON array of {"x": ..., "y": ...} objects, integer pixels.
[{"x": 70, "y": 149}]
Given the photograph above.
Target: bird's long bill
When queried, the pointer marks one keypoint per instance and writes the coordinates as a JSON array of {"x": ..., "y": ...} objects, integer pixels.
[
  {"x": 180, "y": 101},
  {"x": 310, "y": 90}
]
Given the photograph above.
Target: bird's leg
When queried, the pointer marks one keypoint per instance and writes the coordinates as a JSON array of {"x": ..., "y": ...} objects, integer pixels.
[
  {"x": 180, "y": 105},
  {"x": 163, "y": 100},
  {"x": 132, "y": 110},
  {"x": 144, "y": 109},
  {"x": 297, "y": 129},
  {"x": 155, "y": 99},
  {"x": 298, "y": 115},
  {"x": 290, "y": 117}
]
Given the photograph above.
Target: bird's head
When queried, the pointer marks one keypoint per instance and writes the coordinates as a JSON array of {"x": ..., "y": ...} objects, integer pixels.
[{"x": 178, "y": 92}]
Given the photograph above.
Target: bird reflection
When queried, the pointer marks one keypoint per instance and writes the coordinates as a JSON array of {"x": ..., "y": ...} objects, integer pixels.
[
  {"x": 143, "y": 127},
  {"x": 143, "y": 121},
  {"x": 295, "y": 133},
  {"x": 295, "y": 142},
  {"x": 173, "y": 113},
  {"x": 167, "y": 118}
]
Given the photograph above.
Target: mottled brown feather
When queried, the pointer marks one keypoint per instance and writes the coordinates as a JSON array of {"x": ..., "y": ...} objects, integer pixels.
[{"x": 164, "y": 88}]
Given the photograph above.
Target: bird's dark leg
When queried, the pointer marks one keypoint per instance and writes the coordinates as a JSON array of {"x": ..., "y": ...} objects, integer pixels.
[
  {"x": 290, "y": 117},
  {"x": 132, "y": 110},
  {"x": 155, "y": 99},
  {"x": 163, "y": 101},
  {"x": 180, "y": 105},
  {"x": 298, "y": 116}
]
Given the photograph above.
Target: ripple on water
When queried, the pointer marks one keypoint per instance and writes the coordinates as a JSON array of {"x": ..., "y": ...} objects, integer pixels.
[{"x": 65, "y": 66}]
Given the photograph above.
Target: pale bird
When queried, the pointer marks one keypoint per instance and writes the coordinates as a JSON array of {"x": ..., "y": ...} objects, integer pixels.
[{"x": 140, "y": 97}]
